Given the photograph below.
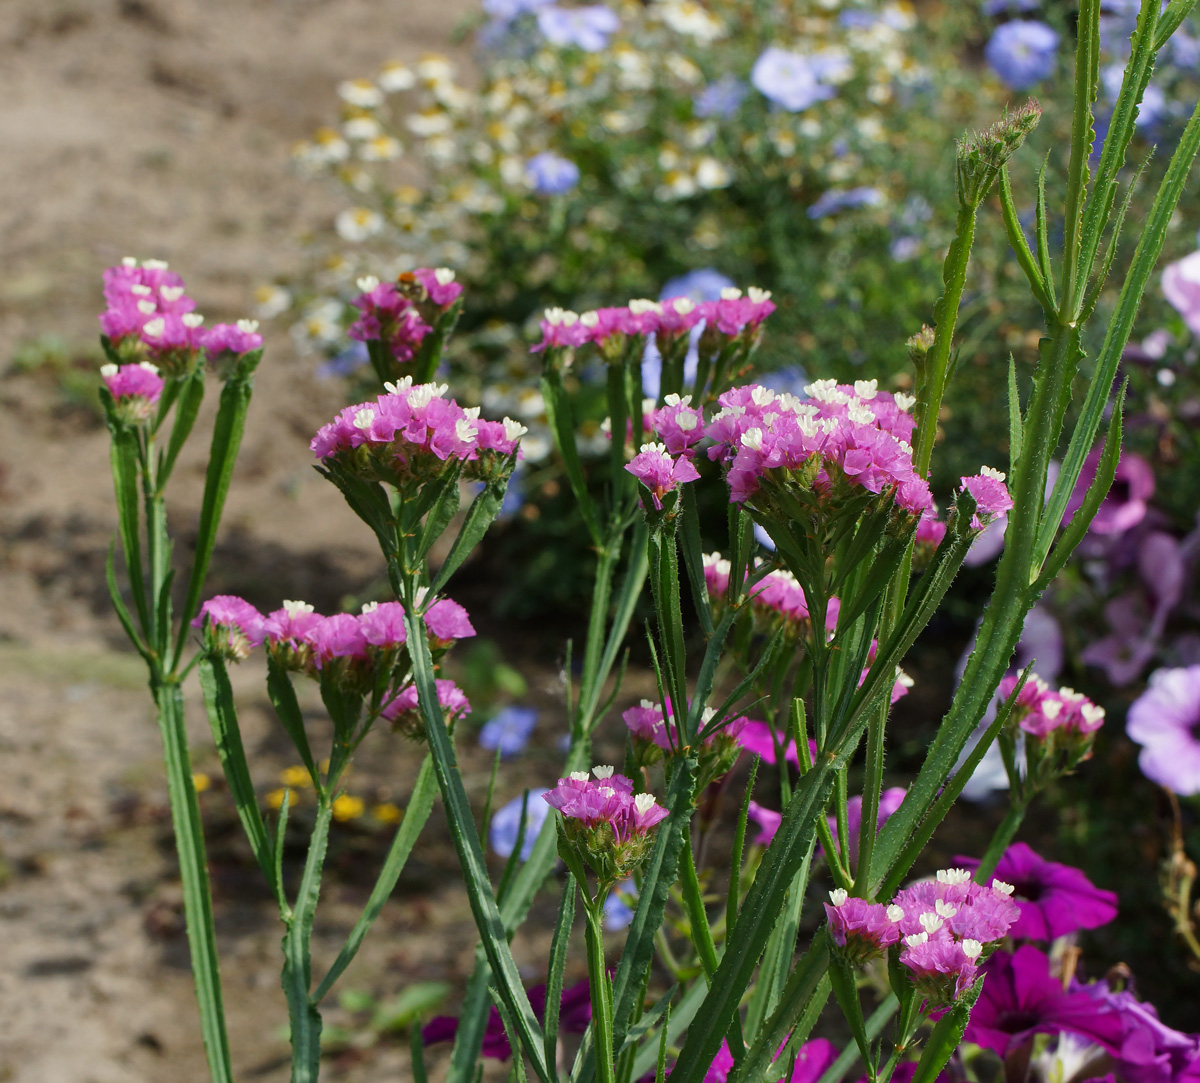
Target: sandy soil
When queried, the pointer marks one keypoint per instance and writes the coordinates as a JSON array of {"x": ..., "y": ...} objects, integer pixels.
[{"x": 162, "y": 128}]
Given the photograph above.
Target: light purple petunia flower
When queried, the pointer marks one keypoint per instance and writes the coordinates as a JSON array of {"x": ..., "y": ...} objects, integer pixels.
[
  {"x": 1181, "y": 286},
  {"x": 1022, "y": 52},
  {"x": 791, "y": 80},
  {"x": 720, "y": 99},
  {"x": 588, "y": 28},
  {"x": 1165, "y": 721},
  {"x": 1125, "y": 505},
  {"x": 1054, "y": 899}
]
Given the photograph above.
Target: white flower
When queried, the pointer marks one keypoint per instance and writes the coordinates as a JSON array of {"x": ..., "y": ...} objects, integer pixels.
[
  {"x": 360, "y": 92},
  {"x": 357, "y": 224}
]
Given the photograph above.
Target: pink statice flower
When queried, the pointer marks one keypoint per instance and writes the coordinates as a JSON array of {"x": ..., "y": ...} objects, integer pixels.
[
  {"x": 447, "y": 621},
  {"x": 841, "y": 438},
  {"x": 608, "y": 824},
  {"x": 656, "y": 733},
  {"x": 947, "y": 926},
  {"x": 409, "y": 433},
  {"x": 135, "y": 388},
  {"x": 1165, "y": 721},
  {"x": 734, "y": 313},
  {"x": 862, "y": 930},
  {"x": 440, "y": 285},
  {"x": 1054, "y": 900},
  {"x": 562, "y": 328},
  {"x": 990, "y": 493},
  {"x": 678, "y": 425},
  {"x": 224, "y": 341},
  {"x": 338, "y": 637},
  {"x": 235, "y": 626},
  {"x": 389, "y": 317},
  {"x": 660, "y": 472},
  {"x": 382, "y": 625},
  {"x": 676, "y": 317},
  {"x": 138, "y": 294},
  {"x": 402, "y": 710}
]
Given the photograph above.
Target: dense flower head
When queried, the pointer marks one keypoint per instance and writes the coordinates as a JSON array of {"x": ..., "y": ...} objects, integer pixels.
[
  {"x": 1053, "y": 899},
  {"x": 1041, "y": 711},
  {"x": 237, "y": 627},
  {"x": 678, "y": 425},
  {"x": 448, "y": 621},
  {"x": 851, "y": 435},
  {"x": 656, "y": 732},
  {"x": 403, "y": 709},
  {"x": 388, "y": 316},
  {"x": 439, "y": 284},
  {"x": 660, "y": 472},
  {"x": 143, "y": 293},
  {"x": 382, "y": 624},
  {"x": 776, "y": 599},
  {"x": 338, "y": 636},
  {"x": 1165, "y": 721},
  {"x": 990, "y": 493},
  {"x": 136, "y": 388},
  {"x": 861, "y": 929},
  {"x": 227, "y": 340},
  {"x": 561, "y": 327},
  {"x": 947, "y": 925},
  {"x": 410, "y": 432}
]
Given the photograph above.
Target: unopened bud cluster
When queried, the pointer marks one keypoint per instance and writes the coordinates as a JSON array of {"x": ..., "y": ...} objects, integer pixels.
[
  {"x": 1059, "y": 726},
  {"x": 655, "y": 733}
]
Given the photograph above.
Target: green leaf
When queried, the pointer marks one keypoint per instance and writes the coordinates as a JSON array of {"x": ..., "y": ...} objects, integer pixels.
[
  {"x": 228, "y": 428},
  {"x": 849, "y": 1056},
  {"x": 190, "y": 397},
  {"x": 287, "y": 710},
  {"x": 444, "y": 508},
  {"x": 557, "y": 967},
  {"x": 678, "y": 1020},
  {"x": 693, "y": 558},
  {"x": 114, "y": 594},
  {"x": 845, "y": 990},
  {"x": 1016, "y": 424},
  {"x": 1042, "y": 232},
  {"x": 1110, "y": 253},
  {"x": 739, "y": 842},
  {"x": 123, "y": 459},
  {"x": 1020, "y": 244},
  {"x": 947, "y": 1035},
  {"x": 470, "y": 856},
  {"x": 760, "y": 912},
  {"x": 413, "y": 1004},
  {"x": 227, "y": 735},
  {"x": 433, "y": 346},
  {"x": 480, "y": 516},
  {"x": 648, "y": 1021},
  {"x": 420, "y": 803},
  {"x": 1172, "y": 16}
]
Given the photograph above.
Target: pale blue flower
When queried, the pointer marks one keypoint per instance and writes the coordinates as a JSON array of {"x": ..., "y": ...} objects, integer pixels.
[
  {"x": 508, "y": 730},
  {"x": 1022, "y": 52},
  {"x": 836, "y": 199},
  {"x": 618, "y": 914},
  {"x": 511, "y": 9},
  {"x": 704, "y": 284},
  {"x": 791, "y": 80},
  {"x": 550, "y": 175},
  {"x": 588, "y": 28},
  {"x": 506, "y": 824},
  {"x": 720, "y": 99}
]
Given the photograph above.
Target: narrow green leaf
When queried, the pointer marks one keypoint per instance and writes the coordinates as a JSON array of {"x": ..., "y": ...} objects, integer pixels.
[
  {"x": 1110, "y": 253},
  {"x": 123, "y": 459},
  {"x": 433, "y": 346},
  {"x": 416, "y": 1046},
  {"x": 470, "y": 855},
  {"x": 1042, "y": 234},
  {"x": 480, "y": 515},
  {"x": 739, "y": 843},
  {"x": 557, "y": 967},
  {"x": 1016, "y": 424},
  {"x": 513, "y": 1033},
  {"x": 190, "y": 397},
  {"x": 228, "y": 428},
  {"x": 420, "y": 803},
  {"x": 287, "y": 710},
  {"x": 693, "y": 558},
  {"x": 438, "y": 518},
  {"x": 679, "y": 1019},
  {"x": 947, "y": 1035},
  {"x": 1171, "y": 19},
  {"x": 558, "y": 416},
  {"x": 648, "y": 1021},
  {"x": 114, "y": 593},
  {"x": 227, "y": 735},
  {"x": 849, "y": 1056},
  {"x": 845, "y": 991},
  {"x": 1020, "y": 244}
]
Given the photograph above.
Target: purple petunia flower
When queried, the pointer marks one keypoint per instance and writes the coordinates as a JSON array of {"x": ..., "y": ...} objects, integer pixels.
[
  {"x": 720, "y": 99},
  {"x": 588, "y": 28},
  {"x": 1125, "y": 505},
  {"x": 550, "y": 175},
  {"x": 792, "y": 80},
  {"x": 1022, "y": 52},
  {"x": 1022, "y": 998},
  {"x": 508, "y": 730},
  {"x": 1165, "y": 721},
  {"x": 1054, "y": 899},
  {"x": 506, "y": 824}
]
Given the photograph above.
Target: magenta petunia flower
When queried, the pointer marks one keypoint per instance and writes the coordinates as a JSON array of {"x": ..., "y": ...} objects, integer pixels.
[
  {"x": 1054, "y": 899},
  {"x": 1165, "y": 721},
  {"x": 1022, "y": 998},
  {"x": 768, "y": 822},
  {"x": 1181, "y": 286}
]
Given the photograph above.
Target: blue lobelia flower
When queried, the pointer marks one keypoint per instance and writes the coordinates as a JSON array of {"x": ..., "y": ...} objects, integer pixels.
[
  {"x": 1022, "y": 52},
  {"x": 506, "y": 824},
  {"x": 588, "y": 27},
  {"x": 720, "y": 99},
  {"x": 548, "y": 174},
  {"x": 508, "y": 730}
]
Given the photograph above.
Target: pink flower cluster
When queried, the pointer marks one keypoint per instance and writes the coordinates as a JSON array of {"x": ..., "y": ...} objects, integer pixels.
[
  {"x": 855, "y": 435},
  {"x": 607, "y": 800},
  {"x": 411, "y": 431},
  {"x": 1040, "y": 710},
  {"x": 304, "y": 640},
  {"x": 389, "y": 317},
  {"x": 403, "y": 710},
  {"x": 149, "y": 313},
  {"x": 136, "y": 388},
  {"x": 660, "y": 472},
  {"x": 731, "y": 315},
  {"x": 664, "y": 465},
  {"x": 647, "y": 723},
  {"x": 946, "y": 925},
  {"x": 777, "y": 596},
  {"x": 991, "y": 496}
]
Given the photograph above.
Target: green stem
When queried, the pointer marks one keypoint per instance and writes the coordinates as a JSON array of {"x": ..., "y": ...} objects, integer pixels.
[
  {"x": 601, "y": 991},
  {"x": 297, "y": 953},
  {"x": 1004, "y": 835},
  {"x": 193, "y": 870}
]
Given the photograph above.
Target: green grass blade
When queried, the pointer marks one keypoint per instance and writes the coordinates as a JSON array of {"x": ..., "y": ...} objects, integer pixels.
[{"x": 191, "y": 395}]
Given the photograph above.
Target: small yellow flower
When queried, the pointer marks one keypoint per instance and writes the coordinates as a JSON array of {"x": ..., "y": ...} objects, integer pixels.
[
  {"x": 346, "y": 808},
  {"x": 201, "y": 781},
  {"x": 388, "y": 813},
  {"x": 295, "y": 776}
]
